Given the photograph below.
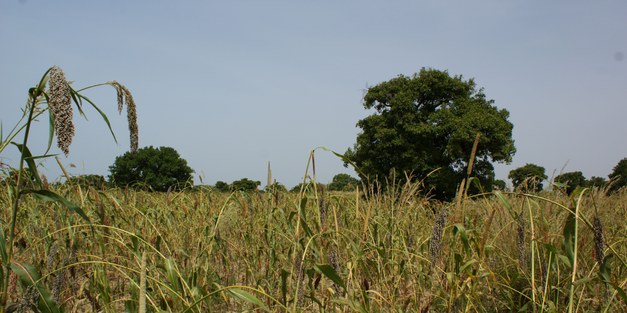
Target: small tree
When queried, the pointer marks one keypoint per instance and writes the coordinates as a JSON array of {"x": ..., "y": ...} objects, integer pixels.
[
  {"x": 160, "y": 169},
  {"x": 343, "y": 182},
  {"x": 500, "y": 184},
  {"x": 222, "y": 186},
  {"x": 618, "y": 176},
  {"x": 572, "y": 180},
  {"x": 245, "y": 184},
  {"x": 596, "y": 181},
  {"x": 530, "y": 175}
]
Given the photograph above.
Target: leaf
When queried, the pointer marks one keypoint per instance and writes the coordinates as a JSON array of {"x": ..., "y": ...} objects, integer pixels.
[
  {"x": 505, "y": 203},
  {"x": 248, "y": 297},
  {"x": 328, "y": 271},
  {"x": 466, "y": 265},
  {"x": 104, "y": 116},
  {"x": 78, "y": 101},
  {"x": 28, "y": 157},
  {"x": 3, "y": 246},
  {"x": 29, "y": 276},
  {"x": 620, "y": 292},
  {"x": 565, "y": 260},
  {"x": 171, "y": 274},
  {"x": 49, "y": 196},
  {"x": 50, "y": 129},
  {"x": 569, "y": 237},
  {"x": 583, "y": 280},
  {"x": 605, "y": 269},
  {"x": 284, "y": 275}
]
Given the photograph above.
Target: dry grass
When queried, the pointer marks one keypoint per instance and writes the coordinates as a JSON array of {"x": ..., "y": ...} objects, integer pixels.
[{"x": 207, "y": 251}]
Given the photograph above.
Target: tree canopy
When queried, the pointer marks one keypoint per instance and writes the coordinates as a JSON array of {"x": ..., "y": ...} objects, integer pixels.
[
  {"x": 572, "y": 180},
  {"x": 429, "y": 122},
  {"x": 343, "y": 182},
  {"x": 159, "y": 169},
  {"x": 222, "y": 186},
  {"x": 596, "y": 181},
  {"x": 529, "y": 176},
  {"x": 245, "y": 184},
  {"x": 500, "y": 185},
  {"x": 619, "y": 175}
]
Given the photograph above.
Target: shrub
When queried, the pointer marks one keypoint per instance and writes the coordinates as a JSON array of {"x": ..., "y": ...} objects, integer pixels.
[{"x": 160, "y": 169}]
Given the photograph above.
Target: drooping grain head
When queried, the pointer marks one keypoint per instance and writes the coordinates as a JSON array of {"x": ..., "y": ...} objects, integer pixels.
[
  {"x": 125, "y": 97},
  {"x": 59, "y": 102},
  {"x": 120, "y": 93}
]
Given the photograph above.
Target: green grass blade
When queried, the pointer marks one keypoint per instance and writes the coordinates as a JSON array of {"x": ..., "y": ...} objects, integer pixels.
[
  {"x": 248, "y": 297},
  {"x": 30, "y": 161},
  {"x": 102, "y": 114},
  {"x": 29, "y": 276},
  {"x": 49, "y": 196},
  {"x": 328, "y": 271}
]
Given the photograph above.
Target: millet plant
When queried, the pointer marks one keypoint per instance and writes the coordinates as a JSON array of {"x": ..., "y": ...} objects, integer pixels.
[{"x": 56, "y": 100}]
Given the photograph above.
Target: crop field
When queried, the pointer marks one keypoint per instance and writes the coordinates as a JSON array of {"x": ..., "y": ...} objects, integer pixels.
[
  {"x": 199, "y": 250},
  {"x": 70, "y": 247}
]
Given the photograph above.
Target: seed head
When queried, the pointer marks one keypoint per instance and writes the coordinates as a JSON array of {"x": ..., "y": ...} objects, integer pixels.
[
  {"x": 59, "y": 102},
  {"x": 125, "y": 97},
  {"x": 521, "y": 239},
  {"x": 436, "y": 235},
  {"x": 599, "y": 242}
]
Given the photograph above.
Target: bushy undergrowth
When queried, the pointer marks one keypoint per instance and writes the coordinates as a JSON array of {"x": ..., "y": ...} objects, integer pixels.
[{"x": 203, "y": 251}]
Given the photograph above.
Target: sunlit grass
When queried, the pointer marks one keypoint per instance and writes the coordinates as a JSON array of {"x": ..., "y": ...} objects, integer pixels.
[{"x": 207, "y": 251}]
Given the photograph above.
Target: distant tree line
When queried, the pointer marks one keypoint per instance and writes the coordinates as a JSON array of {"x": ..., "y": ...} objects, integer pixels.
[{"x": 530, "y": 177}]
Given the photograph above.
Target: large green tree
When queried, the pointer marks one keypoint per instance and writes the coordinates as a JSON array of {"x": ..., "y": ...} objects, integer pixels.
[
  {"x": 618, "y": 177},
  {"x": 160, "y": 169},
  {"x": 429, "y": 122},
  {"x": 529, "y": 176}
]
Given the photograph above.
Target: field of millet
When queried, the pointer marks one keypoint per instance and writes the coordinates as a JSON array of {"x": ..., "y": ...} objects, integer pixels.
[{"x": 381, "y": 251}]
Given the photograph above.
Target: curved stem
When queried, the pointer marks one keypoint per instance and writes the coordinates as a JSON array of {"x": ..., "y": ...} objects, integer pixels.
[{"x": 7, "y": 267}]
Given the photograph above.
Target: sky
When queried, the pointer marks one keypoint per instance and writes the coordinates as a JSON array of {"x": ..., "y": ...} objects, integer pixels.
[{"x": 233, "y": 85}]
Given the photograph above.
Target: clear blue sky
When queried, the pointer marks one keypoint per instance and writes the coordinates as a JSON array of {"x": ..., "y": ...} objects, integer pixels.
[{"x": 234, "y": 84}]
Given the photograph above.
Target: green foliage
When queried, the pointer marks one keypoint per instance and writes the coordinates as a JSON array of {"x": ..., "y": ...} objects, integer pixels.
[
  {"x": 429, "y": 122},
  {"x": 298, "y": 187},
  {"x": 222, "y": 186},
  {"x": 276, "y": 187},
  {"x": 90, "y": 180},
  {"x": 529, "y": 176},
  {"x": 9, "y": 177},
  {"x": 619, "y": 175},
  {"x": 572, "y": 180},
  {"x": 202, "y": 188},
  {"x": 596, "y": 181},
  {"x": 500, "y": 184},
  {"x": 245, "y": 184},
  {"x": 343, "y": 182},
  {"x": 159, "y": 169}
]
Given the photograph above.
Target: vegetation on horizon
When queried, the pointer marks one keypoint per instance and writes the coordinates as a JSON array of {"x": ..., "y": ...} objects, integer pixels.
[{"x": 388, "y": 250}]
